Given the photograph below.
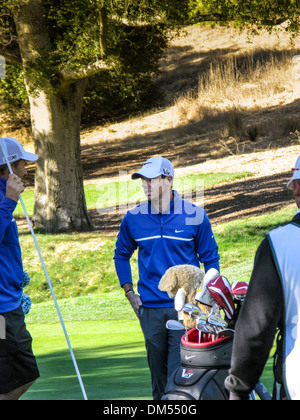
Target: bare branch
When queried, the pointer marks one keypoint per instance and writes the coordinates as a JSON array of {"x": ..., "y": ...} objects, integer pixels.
[
  {"x": 9, "y": 47},
  {"x": 69, "y": 76}
]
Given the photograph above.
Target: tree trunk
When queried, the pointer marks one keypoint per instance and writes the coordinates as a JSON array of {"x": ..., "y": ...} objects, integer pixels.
[
  {"x": 59, "y": 193},
  {"x": 55, "y": 118}
]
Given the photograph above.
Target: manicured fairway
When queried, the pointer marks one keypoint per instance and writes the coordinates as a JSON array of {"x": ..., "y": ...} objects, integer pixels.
[{"x": 110, "y": 356}]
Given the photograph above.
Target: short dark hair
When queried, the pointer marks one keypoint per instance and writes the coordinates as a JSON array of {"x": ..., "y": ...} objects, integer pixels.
[{"x": 4, "y": 167}]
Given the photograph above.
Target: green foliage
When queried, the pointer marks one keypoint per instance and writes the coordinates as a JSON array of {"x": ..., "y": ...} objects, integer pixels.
[
  {"x": 13, "y": 92},
  {"x": 130, "y": 34},
  {"x": 127, "y": 87}
]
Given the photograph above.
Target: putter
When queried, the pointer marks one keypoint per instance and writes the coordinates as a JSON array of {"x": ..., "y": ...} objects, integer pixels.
[{"x": 48, "y": 280}]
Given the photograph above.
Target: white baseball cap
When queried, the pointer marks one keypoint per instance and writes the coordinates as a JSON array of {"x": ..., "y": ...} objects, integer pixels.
[
  {"x": 154, "y": 167},
  {"x": 14, "y": 151},
  {"x": 296, "y": 173}
]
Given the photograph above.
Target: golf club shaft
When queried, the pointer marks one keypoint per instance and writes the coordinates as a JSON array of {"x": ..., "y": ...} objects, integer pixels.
[{"x": 48, "y": 280}]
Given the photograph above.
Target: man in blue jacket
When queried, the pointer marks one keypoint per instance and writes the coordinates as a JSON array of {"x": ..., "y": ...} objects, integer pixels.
[
  {"x": 18, "y": 368},
  {"x": 167, "y": 231}
]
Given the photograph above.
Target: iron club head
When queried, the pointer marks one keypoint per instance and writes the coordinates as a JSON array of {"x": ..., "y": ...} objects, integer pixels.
[{"x": 172, "y": 324}]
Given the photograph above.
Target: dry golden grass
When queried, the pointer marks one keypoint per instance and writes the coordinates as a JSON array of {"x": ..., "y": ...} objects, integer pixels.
[
  {"x": 239, "y": 79},
  {"x": 226, "y": 93}
]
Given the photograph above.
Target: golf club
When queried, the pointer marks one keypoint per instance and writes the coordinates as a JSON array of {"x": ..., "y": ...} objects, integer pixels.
[
  {"x": 239, "y": 290},
  {"x": 217, "y": 321},
  {"x": 174, "y": 325},
  {"x": 220, "y": 290},
  {"x": 201, "y": 326},
  {"x": 48, "y": 280},
  {"x": 189, "y": 307}
]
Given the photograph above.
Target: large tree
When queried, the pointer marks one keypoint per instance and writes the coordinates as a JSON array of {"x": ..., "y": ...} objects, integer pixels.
[{"x": 60, "y": 44}]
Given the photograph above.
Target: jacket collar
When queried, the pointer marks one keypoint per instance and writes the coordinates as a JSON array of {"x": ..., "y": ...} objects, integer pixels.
[
  {"x": 296, "y": 218},
  {"x": 175, "y": 205}
]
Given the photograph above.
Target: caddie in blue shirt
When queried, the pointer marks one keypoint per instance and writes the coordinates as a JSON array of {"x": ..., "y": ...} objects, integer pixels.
[
  {"x": 167, "y": 231},
  {"x": 18, "y": 368}
]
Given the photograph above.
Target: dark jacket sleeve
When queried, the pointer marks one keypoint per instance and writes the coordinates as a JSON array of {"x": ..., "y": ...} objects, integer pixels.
[{"x": 256, "y": 328}]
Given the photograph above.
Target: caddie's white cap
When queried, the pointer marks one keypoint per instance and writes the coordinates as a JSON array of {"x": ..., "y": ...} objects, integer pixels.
[
  {"x": 296, "y": 173},
  {"x": 155, "y": 167},
  {"x": 14, "y": 151}
]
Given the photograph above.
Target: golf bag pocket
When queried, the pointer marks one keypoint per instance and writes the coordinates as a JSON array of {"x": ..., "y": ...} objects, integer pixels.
[
  {"x": 210, "y": 355},
  {"x": 197, "y": 384}
]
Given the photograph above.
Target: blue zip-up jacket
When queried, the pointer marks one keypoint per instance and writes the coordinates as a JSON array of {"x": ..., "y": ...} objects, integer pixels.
[
  {"x": 11, "y": 267},
  {"x": 181, "y": 236}
]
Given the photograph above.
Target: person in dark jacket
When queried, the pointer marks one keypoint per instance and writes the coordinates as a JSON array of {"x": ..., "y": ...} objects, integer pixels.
[
  {"x": 167, "y": 231},
  {"x": 18, "y": 368},
  {"x": 271, "y": 306}
]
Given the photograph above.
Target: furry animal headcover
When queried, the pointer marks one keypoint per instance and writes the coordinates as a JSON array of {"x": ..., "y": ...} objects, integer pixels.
[{"x": 182, "y": 283}]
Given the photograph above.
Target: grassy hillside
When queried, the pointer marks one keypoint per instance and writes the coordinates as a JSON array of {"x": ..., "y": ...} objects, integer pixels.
[{"x": 230, "y": 108}]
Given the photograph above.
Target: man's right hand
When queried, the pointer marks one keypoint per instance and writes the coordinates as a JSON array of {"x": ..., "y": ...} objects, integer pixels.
[
  {"x": 14, "y": 187},
  {"x": 134, "y": 299},
  {"x": 135, "y": 302}
]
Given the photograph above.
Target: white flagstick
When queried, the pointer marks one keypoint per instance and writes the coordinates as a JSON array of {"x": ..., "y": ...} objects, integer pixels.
[{"x": 48, "y": 280}]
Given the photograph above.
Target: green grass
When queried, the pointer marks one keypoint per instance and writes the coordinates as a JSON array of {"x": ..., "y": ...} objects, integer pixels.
[
  {"x": 108, "y": 345},
  {"x": 239, "y": 240},
  {"x": 77, "y": 264},
  {"x": 110, "y": 356},
  {"x": 104, "y": 332},
  {"x": 82, "y": 264},
  {"x": 109, "y": 194}
]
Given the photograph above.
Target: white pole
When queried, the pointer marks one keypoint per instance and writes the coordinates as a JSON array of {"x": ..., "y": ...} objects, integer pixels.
[{"x": 48, "y": 280}]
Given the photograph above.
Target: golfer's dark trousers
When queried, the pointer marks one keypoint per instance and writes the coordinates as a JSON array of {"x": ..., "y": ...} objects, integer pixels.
[{"x": 162, "y": 345}]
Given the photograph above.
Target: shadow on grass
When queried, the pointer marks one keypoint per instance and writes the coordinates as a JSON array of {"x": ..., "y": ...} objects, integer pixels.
[{"x": 107, "y": 374}]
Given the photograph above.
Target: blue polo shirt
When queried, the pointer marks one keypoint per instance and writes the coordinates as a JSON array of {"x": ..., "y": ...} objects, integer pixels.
[
  {"x": 11, "y": 267},
  {"x": 183, "y": 235}
]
